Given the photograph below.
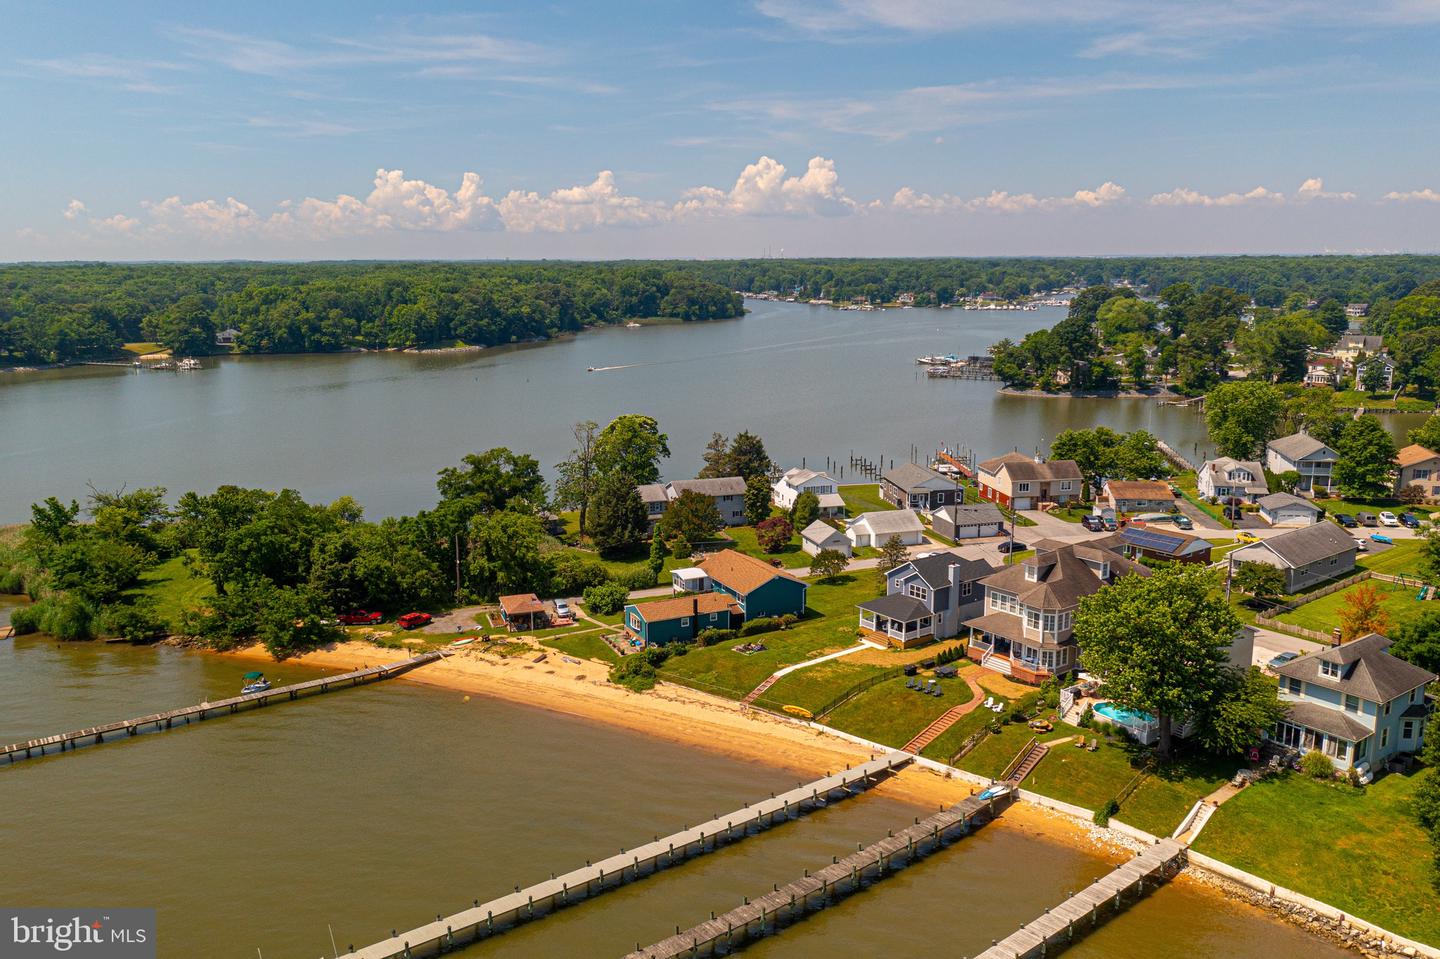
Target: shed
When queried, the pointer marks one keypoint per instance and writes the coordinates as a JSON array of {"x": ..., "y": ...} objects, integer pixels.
[{"x": 821, "y": 535}]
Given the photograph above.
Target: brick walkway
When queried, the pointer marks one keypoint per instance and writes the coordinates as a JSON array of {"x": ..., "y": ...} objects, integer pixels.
[{"x": 947, "y": 719}]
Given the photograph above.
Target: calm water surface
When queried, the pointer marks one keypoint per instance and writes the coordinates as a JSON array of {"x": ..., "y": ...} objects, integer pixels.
[
  {"x": 813, "y": 382},
  {"x": 375, "y": 808}
]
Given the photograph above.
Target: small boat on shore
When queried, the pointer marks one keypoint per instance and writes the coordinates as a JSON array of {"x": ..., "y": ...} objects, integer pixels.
[
  {"x": 254, "y": 683},
  {"x": 463, "y": 642}
]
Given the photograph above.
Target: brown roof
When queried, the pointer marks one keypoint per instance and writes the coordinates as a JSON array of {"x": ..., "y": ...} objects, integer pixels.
[
  {"x": 681, "y": 606},
  {"x": 1062, "y": 576},
  {"x": 1022, "y": 467},
  {"x": 1139, "y": 489},
  {"x": 521, "y": 604},
  {"x": 740, "y": 572},
  {"x": 1414, "y": 453}
]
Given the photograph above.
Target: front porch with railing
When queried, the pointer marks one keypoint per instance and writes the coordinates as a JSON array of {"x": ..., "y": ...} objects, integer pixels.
[
  {"x": 905, "y": 634},
  {"x": 1016, "y": 659}
]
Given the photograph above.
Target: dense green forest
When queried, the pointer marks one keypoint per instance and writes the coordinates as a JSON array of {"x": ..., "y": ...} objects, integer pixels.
[
  {"x": 77, "y": 311},
  {"x": 61, "y": 312}
]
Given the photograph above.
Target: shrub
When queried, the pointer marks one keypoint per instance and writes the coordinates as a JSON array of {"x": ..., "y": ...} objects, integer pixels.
[
  {"x": 606, "y": 598},
  {"x": 633, "y": 672},
  {"x": 1087, "y": 718},
  {"x": 12, "y": 582},
  {"x": 710, "y": 637},
  {"x": 1412, "y": 495},
  {"x": 763, "y": 624},
  {"x": 138, "y": 622},
  {"x": 1105, "y": 812},
  {"x": 1317, "y": 765},
  {"x": 62, "y": 616},
  {"x": 26, "y": 620},
  {"x": 786, "y": 620},
  {"x": 641, "y": 578},
  {"x": 1018, "y": 716},
  {"x": 571, "y": 575}
]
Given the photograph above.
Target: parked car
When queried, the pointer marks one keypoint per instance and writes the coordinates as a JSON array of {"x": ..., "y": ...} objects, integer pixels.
[
  {"x": 1388, "y": 518},
  {"x": 1232, "y": 513},
  {"x": 414, "y": 620},
  {"x": 1361, "y": 545},
  {"x": 1282, "y": 659},
  {"x": 1182, "y": 521},
  {"x": 1409, "y": 520},
  {"x": 1007, "y": 546},
  {"x": 1093, "y": 523},
  {"x": 562, "y": 609},
  {"x": 1382, "y": 538},
  {"x": 1110, "y": 524},
  {"x": 1365, "y": 519},
  {"x": 1346, "y": 520},
  {"x": 360, "y": 617},
  {"x": 1245, "y": 536}
]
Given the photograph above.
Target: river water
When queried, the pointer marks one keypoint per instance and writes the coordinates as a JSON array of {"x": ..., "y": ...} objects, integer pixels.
[
  {"x": 378, "y": 807},
  {"x": 814, "y": 382}
]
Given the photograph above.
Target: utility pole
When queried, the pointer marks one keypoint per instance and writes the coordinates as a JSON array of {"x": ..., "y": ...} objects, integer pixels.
[{"x": 457, "y": 569}]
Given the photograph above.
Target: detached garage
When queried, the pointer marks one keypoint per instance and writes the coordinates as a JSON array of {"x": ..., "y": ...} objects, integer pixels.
[
  {"x": 1287, "y": 509},
  {"x": 969, "y": 522},
  {"x": 874, "y": 529},
  {"x": 821, "y": 535}
]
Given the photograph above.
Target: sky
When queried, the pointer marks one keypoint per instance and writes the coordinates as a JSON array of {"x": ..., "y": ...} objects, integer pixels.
[{"x": 330, "y": 130}]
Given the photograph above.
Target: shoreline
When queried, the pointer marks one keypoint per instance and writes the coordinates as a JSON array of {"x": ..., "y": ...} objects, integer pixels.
[{"x": 1156, "y": 394}]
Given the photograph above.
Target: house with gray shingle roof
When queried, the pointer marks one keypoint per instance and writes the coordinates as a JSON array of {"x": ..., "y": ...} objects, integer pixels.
[
  {"x": 918, "y": 487},
  {"x": 1287, "y": 509},
  {"x": 1304, "y": 454},
  {"x": 874, "y": 528},
  {"x": 1307, "y": 556},
  {"x": 925, "y": 599},
  {"x": 1356, "y": 703}
]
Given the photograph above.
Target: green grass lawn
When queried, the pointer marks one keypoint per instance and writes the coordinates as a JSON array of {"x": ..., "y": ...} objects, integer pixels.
[
  {"x": 1402, "y": 559},
  {"x": 1070, "y": 514},
  {"x": 995, "y": 751},
  {"x": 948, "y": 743},
  {"x": 791, "y": 555},
  {"x": 174, "y": 588},
  {"x": 1323, "y": 614},
  {"x": 584, "y": 646},
  {"x": 1360, "y": 851},
  {"x": 814, "y": 687},
  {"x": 830, "y": 624},
  {"x": 891, "y": 714},
  {"x": 863, "y": 498},
  {"x": 1164, "y": 797},
  {"x": 1089, "y": 780},
  {"x": 1382, "y": 401},
  {"x": 139, "y": 349},
  {"x": 1353, "y": 506}
]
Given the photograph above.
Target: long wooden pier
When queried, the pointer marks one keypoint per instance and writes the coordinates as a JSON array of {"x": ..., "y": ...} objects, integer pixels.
[
  {"x": 792, "y": 902},
  {"x": 487, "y": 919},
  {"x": 1088, "y": 908},
  {"x": 70, "y": 741}
]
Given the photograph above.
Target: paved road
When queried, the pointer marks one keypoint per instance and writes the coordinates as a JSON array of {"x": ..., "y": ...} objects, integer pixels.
[{"x": 1269, "y": 644}]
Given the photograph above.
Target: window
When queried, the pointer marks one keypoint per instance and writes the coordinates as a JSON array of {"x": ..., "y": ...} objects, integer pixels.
[
  {"x": 1031, "y": 573},
  {"x": 685, "y": 621},
  {"x": 634, "y": 621},
  {"x": 1338, "y": 748},
  {"x": 965, "y": 588},
  {"x": 712, "y": 617},
  {"x": 916, "y": 591},
  {"x": 1384, "y": 737},
  {"x": 1352, "y": 703},
  {"x": 1413, "y": 693},
  {"x": 1065, "y": 486},
  {"x": 1330, "y": 669},
  {"x": 1422, "y": 474},
  {"x": 1022, "y": 487},
  {"x": 1032, "y": 618},
  {"x": 1294, "y": 686},
  {"x": 895, "y": 584},
  {"x": 1361, "y": 748},
  {"x": 1407, "y": 729}
]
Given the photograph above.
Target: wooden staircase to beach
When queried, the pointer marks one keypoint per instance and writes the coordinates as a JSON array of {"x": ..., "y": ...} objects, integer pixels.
[
  {"x": 1025, "y": 762},
  {"x": 758, "y": 691}
]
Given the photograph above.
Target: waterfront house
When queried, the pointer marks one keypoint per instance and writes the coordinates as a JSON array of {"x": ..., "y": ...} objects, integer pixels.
[
  {"x": 1355, "y": 703},
  {"x": 1386, "y": 364},
  {"x": 1304, "y": 454},
  {"x": 918, "y": 487},
  {"x": 1137, "y": 496},
  {"x": 1319, "y": 374},
  {"x": 1309, "y": 555},
  {"x": 689, "y": 579},
  {"x": 926, "y": 599},
  {"x": 821, "y": 535},
  {"x": 1354, "y": 310},
  {"x": 874, "y": 528},
  {"x": 1418, "y": 466},
  {"x": 758, "y": 588},
  {"x": 523, "y": 611},
  {"x": 227, "y": 336},
  {"x": 1026, "y": 630},
  {"x": 969, "y": 522},
  {"x": 654, "y": 497},
  {"x": 728, "y": 492},
  {"x": 796, "y": 481},
  {"x": 1223, "y": 479},
  {"x": 1017, "y": 481},
  {"x": 1351, "y": 345},
  {"x": 1140, "y": 541},
  {"x": 1287, "y": 509},
  {"x": 680, "y": 619}
]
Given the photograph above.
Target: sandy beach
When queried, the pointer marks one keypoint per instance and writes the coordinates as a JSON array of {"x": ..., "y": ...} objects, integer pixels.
[{"x": 689, "y": 717}]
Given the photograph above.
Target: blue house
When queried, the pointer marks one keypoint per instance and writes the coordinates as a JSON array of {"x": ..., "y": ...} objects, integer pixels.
[
  {"x": 759, "y": 588},
  {"x": 1355, "y": 703},
  {"x": 681, "y": 619}
]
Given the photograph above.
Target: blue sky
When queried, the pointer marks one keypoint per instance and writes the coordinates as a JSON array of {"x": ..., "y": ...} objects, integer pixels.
[{"x": 835, "y": 127}]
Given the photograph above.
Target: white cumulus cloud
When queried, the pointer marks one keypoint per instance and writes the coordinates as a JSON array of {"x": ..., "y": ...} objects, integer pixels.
[
  {"x": 596, "y": 204},
  {"x": 763, "y": 189},
  {"x": 1002, "y": 201},
  {"x": 1426, "y": 195}
]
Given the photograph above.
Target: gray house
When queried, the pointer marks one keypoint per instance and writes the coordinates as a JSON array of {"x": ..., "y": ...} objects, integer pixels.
[
  {"x": 1356, "y": 703},
  {"x": 1287, "y": 509},
  {"x": 821, "y": 535},
  {"x": 968, "y": 522},
  {"x": 926, "y": 599},
  {"x": 728, "y": 492},
  {"x": 1307, "y": 556},
  {"x": 1303, "y": 453},
  {"x": 918, "y": 488}
]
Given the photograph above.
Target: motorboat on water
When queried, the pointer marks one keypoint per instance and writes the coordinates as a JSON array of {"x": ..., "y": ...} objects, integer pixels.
[{"x": 254, "y": 683}]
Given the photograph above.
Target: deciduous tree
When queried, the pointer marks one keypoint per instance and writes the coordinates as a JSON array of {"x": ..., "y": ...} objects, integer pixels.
[
  {"x": 691, "y": 517},
  {"x": 578, "y": 475},
  {"x": 1241, "y": 417},
  {"x": 1366, "y": 460},
  {"x": 828, "y": 564},
  {"x": 1246, "y": 703},
  {"x": 1260, "y": 580},
  {"x": 774, "y": 534},
  {"x": 632, "y": 444},
  {"x": 1363, "y": 612},
  {"x": 1417, "y": 641},
  {"x": 805, "y": 510}
]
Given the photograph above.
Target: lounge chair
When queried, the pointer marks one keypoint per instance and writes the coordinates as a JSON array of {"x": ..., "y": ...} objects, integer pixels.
[{"x": 989, "y": 702}]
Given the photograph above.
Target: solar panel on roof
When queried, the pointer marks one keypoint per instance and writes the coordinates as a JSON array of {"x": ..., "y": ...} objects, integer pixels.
[{"x": 1152, "y": 539}]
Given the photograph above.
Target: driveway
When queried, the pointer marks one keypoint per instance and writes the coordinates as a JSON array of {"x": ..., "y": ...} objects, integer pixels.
[
  {"x": 1204, "y": 522},
  {"x": 1269, "y": 644}
]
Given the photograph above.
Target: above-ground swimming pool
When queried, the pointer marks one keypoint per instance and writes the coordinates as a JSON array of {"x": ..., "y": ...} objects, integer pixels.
[{"x": 1126, "y": 717}]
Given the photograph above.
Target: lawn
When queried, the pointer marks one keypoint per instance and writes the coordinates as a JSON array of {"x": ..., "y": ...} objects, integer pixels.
[
  {"x": 1089, "y": 780},
  {"x": 174, "y": 588},
  {"x": 583, "y": 646},
  {"x": 1323, "y": 614},
  {"x": 995, "y": 751},
  {"x": 1164, "y": 797},
  {"x": 1353, "y": 506},
  {"x": 1361, "y": 851},
  {"x": 140, "y": 349},
  {"x": 863, "y": 498},
  {"x": 1381, "y": 401},
  {"x": 1070, "y": 514},
  {"x": 790, "y": 555},
  {"x": 815, "y": 687},
  {"x": 1402, "y": 559},
  {"x": 830, "y": 624},
  {"x": 891, "y": 714}
]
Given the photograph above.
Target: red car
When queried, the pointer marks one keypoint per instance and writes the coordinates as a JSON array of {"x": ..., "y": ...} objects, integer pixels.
[
  {"x": 414, "y": 620},
  {"x": 361, "y": 618}
]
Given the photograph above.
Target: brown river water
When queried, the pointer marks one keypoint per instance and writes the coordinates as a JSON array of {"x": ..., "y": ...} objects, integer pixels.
[{"x": 379, "y": 807}]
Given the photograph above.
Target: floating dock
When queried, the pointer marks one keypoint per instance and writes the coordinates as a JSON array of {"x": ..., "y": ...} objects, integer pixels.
[
  {"x": 70, "y": 741},
  {"x": 792, "y": 902},
  {"x": 1086, "y": 910},
  {"x": 491, "y": 918}
]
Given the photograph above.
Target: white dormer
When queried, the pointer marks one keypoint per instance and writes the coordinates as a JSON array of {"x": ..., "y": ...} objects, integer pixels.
[{"x": 1032, "y": 573}]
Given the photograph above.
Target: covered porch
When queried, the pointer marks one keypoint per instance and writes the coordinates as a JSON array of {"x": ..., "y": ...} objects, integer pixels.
[
  {"x": 897, "y": 621},
  {"x": 1344, "y": 741},
  {"x": 998, "y": 642},
  {"x": 523, "y": 611}
]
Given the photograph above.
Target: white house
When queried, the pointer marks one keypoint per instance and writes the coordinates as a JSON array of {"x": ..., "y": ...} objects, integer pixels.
[
  {"x": 1287, "y": 509},
  {"x": 821, "y": 535},
  {"x": 1387, "y": 366},
  {"x": 875, "y": 528},
  {"x": 1303, "y": 453},
  {"x": 796, "y": 481},
  {"x": 1224, "y": 478}
]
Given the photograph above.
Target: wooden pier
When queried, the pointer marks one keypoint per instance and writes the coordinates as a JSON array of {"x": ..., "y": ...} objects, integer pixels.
[
  {"x": 487, "y": 919},
  {"x": 787, "y": 904},
  {"x": 160, "y": 721},
  {"x": 1087, "y": 909}
]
